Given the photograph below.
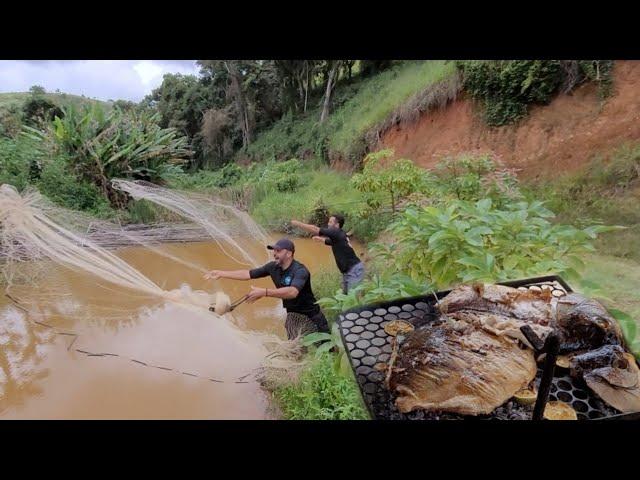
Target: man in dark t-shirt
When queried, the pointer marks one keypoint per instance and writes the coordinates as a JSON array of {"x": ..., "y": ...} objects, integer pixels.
[
  {"x": 348, "y": 263},
  {"x": 293, "y": 286}
]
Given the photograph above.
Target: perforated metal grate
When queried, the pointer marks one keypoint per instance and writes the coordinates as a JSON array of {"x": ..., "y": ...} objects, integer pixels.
[{"x": 367, "y": 345}]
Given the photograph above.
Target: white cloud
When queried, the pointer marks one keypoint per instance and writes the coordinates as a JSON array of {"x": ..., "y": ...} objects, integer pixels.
[
  {"x": 101, "y": 79},
  {"x": 148, "y": 71}
]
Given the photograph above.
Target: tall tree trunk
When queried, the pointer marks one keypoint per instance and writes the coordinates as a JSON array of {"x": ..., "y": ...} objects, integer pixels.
[
  {"x": 300, "y": 82},
  {"x": 330, "y": 86},
  {"x": 306, "y": 87},
  {"x": 241, "y": 103}
]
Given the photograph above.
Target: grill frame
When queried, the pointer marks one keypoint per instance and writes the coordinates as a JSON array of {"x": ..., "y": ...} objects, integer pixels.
[{"x": 364, "y": 372}]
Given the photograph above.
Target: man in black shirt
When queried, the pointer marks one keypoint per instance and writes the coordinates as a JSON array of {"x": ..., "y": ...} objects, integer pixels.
[
  {"x": 293, "y": 286},
  {"x": 348, "y": 263}
]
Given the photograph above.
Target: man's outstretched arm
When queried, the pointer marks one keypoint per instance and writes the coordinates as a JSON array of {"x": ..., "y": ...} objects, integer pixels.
[
  {"x": 305, "y": 226},
  {"x": 230, "y": 274}
]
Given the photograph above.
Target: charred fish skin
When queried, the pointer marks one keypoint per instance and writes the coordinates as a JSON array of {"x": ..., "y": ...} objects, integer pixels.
[
  {"x": 458, "y": 368},
  {"x": 605, "y": 356},
  {"x": 584, "y": 324},
  {"x": 612, "y": 374}
]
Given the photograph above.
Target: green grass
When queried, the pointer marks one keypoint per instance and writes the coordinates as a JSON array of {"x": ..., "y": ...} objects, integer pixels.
[
  {"x": 325, "y": 187},
  {"x": 17, "y": 99},
  {"x": 321, "y": 394},
  {"x": 315, "y": 186},
  {"x": 607, "y": 191},
  {"x": 620, "y": 278},
  {"x": 380, "y": 96},
  {"x": 326, "y": 281}
]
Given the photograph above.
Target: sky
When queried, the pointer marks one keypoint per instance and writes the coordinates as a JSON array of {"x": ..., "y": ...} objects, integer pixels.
[{"x": 100, "y": 79}]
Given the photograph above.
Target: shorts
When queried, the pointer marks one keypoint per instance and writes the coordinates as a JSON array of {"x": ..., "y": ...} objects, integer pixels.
[{"x": 298, "y": 325}]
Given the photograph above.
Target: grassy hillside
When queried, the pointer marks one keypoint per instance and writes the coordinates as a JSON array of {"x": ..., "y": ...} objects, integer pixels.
[
  {"x": 358, "y": 109},
  {"x": 9, "y": 100},
  {"x": 607, "y": 191}
]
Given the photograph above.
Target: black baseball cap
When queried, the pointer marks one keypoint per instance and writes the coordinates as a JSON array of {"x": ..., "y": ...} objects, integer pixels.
[{"x": 283, "y": 244}]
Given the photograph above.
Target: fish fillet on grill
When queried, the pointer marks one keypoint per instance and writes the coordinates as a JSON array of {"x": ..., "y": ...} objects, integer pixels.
[
  {"x": 501, "y": 325},
  {"x": 532, "y": 307},
  {"x": 459, "y": 367}
]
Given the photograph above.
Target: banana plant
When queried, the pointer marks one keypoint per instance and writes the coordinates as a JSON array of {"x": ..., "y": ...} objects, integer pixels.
[{"x": 102, "y": 146}]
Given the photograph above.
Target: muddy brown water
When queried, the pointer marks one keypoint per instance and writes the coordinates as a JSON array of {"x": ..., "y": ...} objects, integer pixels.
[{"x": 44, "y": 373}]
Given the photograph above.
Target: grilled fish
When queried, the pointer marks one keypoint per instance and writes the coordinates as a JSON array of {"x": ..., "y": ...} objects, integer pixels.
[
  {"x": 584, "y": 324},
  {"x": 459, "y": 367},
  {"x": 611, "y": 373},
  {"x": 533, "y": 307}
]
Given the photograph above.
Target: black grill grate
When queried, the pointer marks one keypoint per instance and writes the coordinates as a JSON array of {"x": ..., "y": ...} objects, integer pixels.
[{"x": 367, "y": 345}]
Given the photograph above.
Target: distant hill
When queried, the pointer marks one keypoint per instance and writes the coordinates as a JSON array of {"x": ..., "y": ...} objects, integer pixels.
[{"x": 7, "y": 100}]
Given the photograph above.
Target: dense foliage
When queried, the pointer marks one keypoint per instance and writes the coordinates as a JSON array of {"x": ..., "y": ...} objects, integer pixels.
[{"x": 507, "y": 88}]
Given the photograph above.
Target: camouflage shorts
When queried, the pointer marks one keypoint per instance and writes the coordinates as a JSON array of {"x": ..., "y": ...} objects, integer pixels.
[{"x": 297, "y": 324}]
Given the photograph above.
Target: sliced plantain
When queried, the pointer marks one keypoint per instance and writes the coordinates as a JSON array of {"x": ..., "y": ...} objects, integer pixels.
[
  {"x": 559, "y": 411},
  {"x": 526, "y": 396},
  {"x": 563, "y": 361}
]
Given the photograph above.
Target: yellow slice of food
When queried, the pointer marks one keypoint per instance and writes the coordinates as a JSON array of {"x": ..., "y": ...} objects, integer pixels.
[
  {"x": 563, "y": 361},
  {"x": 395, "y": 327},
  {"x": 559, "y": 411},
  {"x": 526, "y": 396}
]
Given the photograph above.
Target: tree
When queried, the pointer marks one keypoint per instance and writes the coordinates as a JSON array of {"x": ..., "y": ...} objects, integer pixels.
[
  {"x": 348, "y": 66},
  {"x": 215, "y": 134},
  {"x": 181, "y": 101},
  {"x": 124, "y": 105},
  {"x": 372, "y": 67},
  {"x": 397, "y": 179},
  {"x": 296, "y": 81},
  {"x": 250, "y": 94},
  {"x": 37, "y": 90},
  {"x": 37, "y": 110},
  {"x": 331, "y": 83},
  {"x": 237, "y": 92},
  {"x": 102, "y": 146}
]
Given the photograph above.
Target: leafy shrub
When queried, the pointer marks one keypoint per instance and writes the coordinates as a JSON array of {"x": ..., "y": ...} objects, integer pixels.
[
  {"x": 389, "y": 285},
  {"x": 61, "y": 186},
  {"x": 507, "y": 87},
  {"x": 17, "y": 157},
  {"x": 10, "y": 122},
  {"x": 383, "y": 177},
  {"x": 467, "y": 241},
  {"x": 320, "y": 394},
  {"x": 470, "y": 177},
  {"x": 326, "y": 281}
]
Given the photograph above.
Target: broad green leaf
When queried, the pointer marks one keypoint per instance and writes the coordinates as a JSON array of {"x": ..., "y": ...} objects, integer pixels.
[
  {"x": 325, "y": 347},
  {"x": 315, "y": 337}
]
